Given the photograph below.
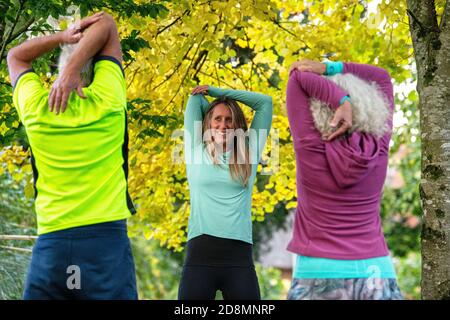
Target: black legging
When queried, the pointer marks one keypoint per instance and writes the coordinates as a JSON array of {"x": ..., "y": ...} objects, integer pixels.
[
  {"x": 213, "y": 264},
  {"x": 202, "y": 282}
]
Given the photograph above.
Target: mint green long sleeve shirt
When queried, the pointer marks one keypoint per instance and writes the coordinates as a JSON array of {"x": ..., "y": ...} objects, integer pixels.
[{"x": 221, "y": 206}]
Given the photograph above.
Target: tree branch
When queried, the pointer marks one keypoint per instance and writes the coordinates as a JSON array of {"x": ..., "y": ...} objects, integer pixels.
[
  {"x": 5, "y": 84},
  {"x": 217, "y": 79},
  {"x": 236, "y": 75},
  {"x": 21, "y": 30},
  {"x": 176, "y": 68},
  {"x": 185, "y": 75},
  {"x": 132, "y": 78},
  {"x": 422, "y": 28},
  {"x": 5, "y": 40},
  {"x": 172, "y": 23},
  {"x": 277, "y": 23},
  {"x": 198, "y": 64}
]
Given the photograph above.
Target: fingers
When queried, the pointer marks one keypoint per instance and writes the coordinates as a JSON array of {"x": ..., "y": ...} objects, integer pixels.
[
  {"x": 76, "y": 26},
  {"x": 342, "y": 129},
  {"x": 200, "y": 90},
  {"x": 334, "y": 123},
  {"x": 65, "y": 97},
  {"x": 57, "y": 104},
  {"x": 305, "y": 68},
  {"x": 302, "y": 65},
  {"x": 76, "y": 37},
  {"x": 59, "y": 98},
  {"x": 51, "y": 99},
  {"x": 337, "y": 119},
  {"x": 86, "y": 22},
  {"x": 80, "y": 92},
  {"x": 293, "y": 67}
]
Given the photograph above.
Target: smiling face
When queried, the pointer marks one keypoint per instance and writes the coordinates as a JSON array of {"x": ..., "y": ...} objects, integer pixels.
[{"x": 222, "y": 124}]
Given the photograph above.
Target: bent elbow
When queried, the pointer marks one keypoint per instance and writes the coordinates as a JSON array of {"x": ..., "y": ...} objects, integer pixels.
[
  {"x": 385, "y": 74},
  {"x": 294, "y": 76},
  {"x": 109, "y": 19},
  {"x": 269, "y": 100},
  {"x": 11, "y": 56}
]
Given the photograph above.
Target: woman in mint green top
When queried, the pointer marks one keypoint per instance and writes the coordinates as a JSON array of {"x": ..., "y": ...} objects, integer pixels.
[{"x": 222, "y": 156}]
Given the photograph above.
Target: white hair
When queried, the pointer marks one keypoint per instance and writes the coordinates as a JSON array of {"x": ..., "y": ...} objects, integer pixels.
[
  {"x": 87, "y": 72},
  {"x": 370, "y": 108}
]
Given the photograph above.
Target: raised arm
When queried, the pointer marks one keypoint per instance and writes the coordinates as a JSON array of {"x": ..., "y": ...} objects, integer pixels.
[
  {"x": 320, "y": 88},
  {"x": 101, "y": 38},
  {"x": 193, "y": 117},
  {"x": 20, "y": 58},
  {"x": 372, "y": 74},
  {"x": 306, "y": 75}
]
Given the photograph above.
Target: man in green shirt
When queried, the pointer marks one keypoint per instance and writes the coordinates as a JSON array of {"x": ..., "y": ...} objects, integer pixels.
[{"x": 79, "y": 147}]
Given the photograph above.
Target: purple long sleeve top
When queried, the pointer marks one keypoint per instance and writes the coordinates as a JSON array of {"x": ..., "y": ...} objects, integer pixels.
[{"x": 339, "y": 183}]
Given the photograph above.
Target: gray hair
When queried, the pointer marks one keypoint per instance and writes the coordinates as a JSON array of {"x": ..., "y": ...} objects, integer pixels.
[
  {"x": 87, "y": 72},
  {"x": 370, "y": 108}
]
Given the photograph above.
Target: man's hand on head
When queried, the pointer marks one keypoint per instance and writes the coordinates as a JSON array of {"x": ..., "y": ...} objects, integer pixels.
[
  {"x": 74, "y": 32},
  {"x": 70, "y": 79}
]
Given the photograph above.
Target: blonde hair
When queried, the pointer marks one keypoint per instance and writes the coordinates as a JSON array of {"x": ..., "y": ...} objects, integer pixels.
[
  {"x": 239, "y": 165},
  {"x": 370, "y": 108},
  {"x": 87, "y": 72}
]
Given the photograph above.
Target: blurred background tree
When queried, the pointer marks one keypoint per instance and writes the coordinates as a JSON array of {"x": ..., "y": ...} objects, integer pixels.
[{"x": 169, "y": 47}]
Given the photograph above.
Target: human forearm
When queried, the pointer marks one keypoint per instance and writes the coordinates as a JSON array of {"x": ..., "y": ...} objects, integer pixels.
[
  {"x": 193, "y": 117},
  {"x": 318, "y": 87},
  {"x": 32, "y": 49},
  {"x": 93, "y": 41},
  {"x": 375, "y": 74},
  {"x": 366, "y": 72},
  {"x": 254, "y": 100},
  {"x": 21, "y": 57}
]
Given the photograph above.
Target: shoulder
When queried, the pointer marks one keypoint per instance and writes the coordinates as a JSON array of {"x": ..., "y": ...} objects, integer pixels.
[{"x": 27, "y": 86}]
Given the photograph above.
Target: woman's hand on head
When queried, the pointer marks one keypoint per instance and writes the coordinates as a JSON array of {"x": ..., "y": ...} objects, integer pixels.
[
  {"x": 200, "y": 90},
  {"x": 342, "y": 120},
  {"x": 308, "y": 66}
]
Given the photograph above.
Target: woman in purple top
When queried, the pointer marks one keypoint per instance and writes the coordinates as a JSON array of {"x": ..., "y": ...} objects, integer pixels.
[{"x": 337, "y": 236}]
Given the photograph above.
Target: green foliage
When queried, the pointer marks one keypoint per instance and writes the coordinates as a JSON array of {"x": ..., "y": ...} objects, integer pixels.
[
  {"x": 17, "y": 218},
  {"x": 270, "y": 283},
  {"x": 158, "y": 270},
  {"x": 401, "y": 209},
  {"x": 125, "y": 8},
  {"x": 138, "y": 110},
  {"x": 24, "y": 18},
  {"x": 132, "y": 43},
  {"x": 13, "y": 271},
  {"x": 264, "y": 230},
  {"x": 409, "y": 272}
]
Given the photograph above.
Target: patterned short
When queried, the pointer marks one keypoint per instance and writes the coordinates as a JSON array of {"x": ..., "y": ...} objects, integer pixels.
[{"x": 344, "y": 289}]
